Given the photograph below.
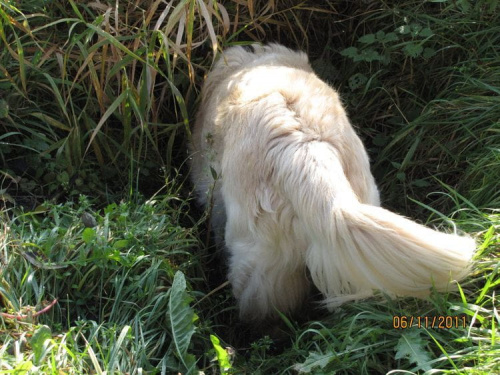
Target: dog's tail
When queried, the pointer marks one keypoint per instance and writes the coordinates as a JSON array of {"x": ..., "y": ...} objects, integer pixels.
[{"x": 356, "y": 248}]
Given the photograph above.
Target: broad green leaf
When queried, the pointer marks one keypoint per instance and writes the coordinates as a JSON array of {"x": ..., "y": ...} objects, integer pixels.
[
  {"x": 120, "y": 244},
  {"x": 464, "y": 6},
  {"x": 182, "y": 319},
  {"x": 40, "y": 342},
  {"x": 222, "y": 355},
  {"x": 357, "y": 80},
  {"x": 411, "y": 346},
  {"x": 369, "y": 55},
  {"x": 390, "y": 37},
  {"x": 415, "y": 29},
  {"x": 367, "y": 39},
  {"x": 63, "y": 177},
  {"x": 413, "y": 50},
  {"x": 380, "y": 35},
  {"x": 313, "y": 361},
  {"x": 88, "y": 235},
  {"x": 350, "y": 52},
  {"x": 428, "y": 53},
  {"x": 426, "y": 32},
  {"x": 36, "y": 143}
]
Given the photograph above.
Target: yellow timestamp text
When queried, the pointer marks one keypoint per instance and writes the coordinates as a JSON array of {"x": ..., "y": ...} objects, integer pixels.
[{"x": 433, "y": 321}]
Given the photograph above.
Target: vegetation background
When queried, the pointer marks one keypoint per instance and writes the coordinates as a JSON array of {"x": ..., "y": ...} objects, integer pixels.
[{"x": 106, "y": 264}]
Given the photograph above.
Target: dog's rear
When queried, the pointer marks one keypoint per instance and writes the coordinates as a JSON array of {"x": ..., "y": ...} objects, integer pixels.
[{"x": 295, "y": 191}]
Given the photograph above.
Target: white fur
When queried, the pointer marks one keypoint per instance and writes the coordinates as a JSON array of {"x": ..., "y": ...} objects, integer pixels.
[{"x": 295, "y": 192}]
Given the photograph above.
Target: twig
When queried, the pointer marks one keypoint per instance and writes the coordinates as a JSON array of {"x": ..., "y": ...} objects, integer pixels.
[
  {"x": 223, "y": 285},
  {"x": 23, "y": 316}
]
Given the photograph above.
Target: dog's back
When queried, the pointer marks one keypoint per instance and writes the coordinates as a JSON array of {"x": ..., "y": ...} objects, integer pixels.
[{"x": 295, "y": 191}]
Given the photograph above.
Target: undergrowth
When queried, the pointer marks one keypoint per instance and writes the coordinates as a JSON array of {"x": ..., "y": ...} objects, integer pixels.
[{"x": 96, "y": 102}]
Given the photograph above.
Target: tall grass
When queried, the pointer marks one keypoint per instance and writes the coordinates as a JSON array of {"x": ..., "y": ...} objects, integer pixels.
[
  {"x": 107, "y": 86},
  {"x": 422, "y": 83},
  {"x": 97, "y": 85},
  {"x": 97, "y": 98}
]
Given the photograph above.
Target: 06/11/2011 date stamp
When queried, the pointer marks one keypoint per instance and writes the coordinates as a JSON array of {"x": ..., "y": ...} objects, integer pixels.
[{"x": 436, "y": 321}]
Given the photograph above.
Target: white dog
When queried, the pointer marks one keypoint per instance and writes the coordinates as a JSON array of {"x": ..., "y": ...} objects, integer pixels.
[{"x": 293, "y": 192}]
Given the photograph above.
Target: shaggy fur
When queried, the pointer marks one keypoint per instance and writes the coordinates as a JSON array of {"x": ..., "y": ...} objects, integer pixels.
[{"x": 294, "y": 192}]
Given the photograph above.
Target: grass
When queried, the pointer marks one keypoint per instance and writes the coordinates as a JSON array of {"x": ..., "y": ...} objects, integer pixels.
[
  {"x": 112, "y": 280},
  {"x": 96, "y": 214}
]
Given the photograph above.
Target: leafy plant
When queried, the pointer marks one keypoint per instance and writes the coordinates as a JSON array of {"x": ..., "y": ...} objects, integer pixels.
[
  {"x": 223, "y": 357},
  {"x": 390, "y": 43},
  {"x": 411, "y": 345},
  {"x": 182, "y": 319},
  {"x": 97, "y": 97},
  {"x": 116, "y": 277}
]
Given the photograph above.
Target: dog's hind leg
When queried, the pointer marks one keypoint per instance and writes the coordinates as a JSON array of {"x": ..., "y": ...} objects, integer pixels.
[{"x": 264, "y": 280}]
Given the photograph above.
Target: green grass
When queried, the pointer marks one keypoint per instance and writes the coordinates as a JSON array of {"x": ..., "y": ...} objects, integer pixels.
[
  {"x": 96, "y": 213},
  {"x": 110, "y": 280}
]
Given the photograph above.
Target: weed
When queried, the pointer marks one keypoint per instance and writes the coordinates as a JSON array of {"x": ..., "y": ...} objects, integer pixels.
[{"x": 97, "y": 98}]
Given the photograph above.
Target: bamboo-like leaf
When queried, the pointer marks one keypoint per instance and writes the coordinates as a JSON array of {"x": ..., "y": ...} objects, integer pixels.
[
  {"x": 251, "y": 9},
  {"x": 162, "y": 16},
  {"x": 411, "y": 151},
  {"x": 178, "y": 97},
  {"x": 226, "y": 23},
  {"x": 90, "y": 125},
  {"x": 119, "y": 65},
  {"x": 57, "y": 94},
  {"x": 210, "y": 26},
  {"x": 51, "y": 121},
  {"x": 189, "y": 33},
  {"x": 22, "y": 63},
  {"x": 106, "y": 115},
  {"x": 92, "y": 71},
  {"x": 8, "y": 135},
  {"x": 175, "y": 16},
  {"x": 115, "y": 42},
  {"x": 140, "y": 113},
  {"x": 178, "y": 38},
  {"x": 144, "y": 90},
  {"x": 116, "y": 348},
  {"x": 93, "y": 357},
  {"x": 75, "y": 9}
]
